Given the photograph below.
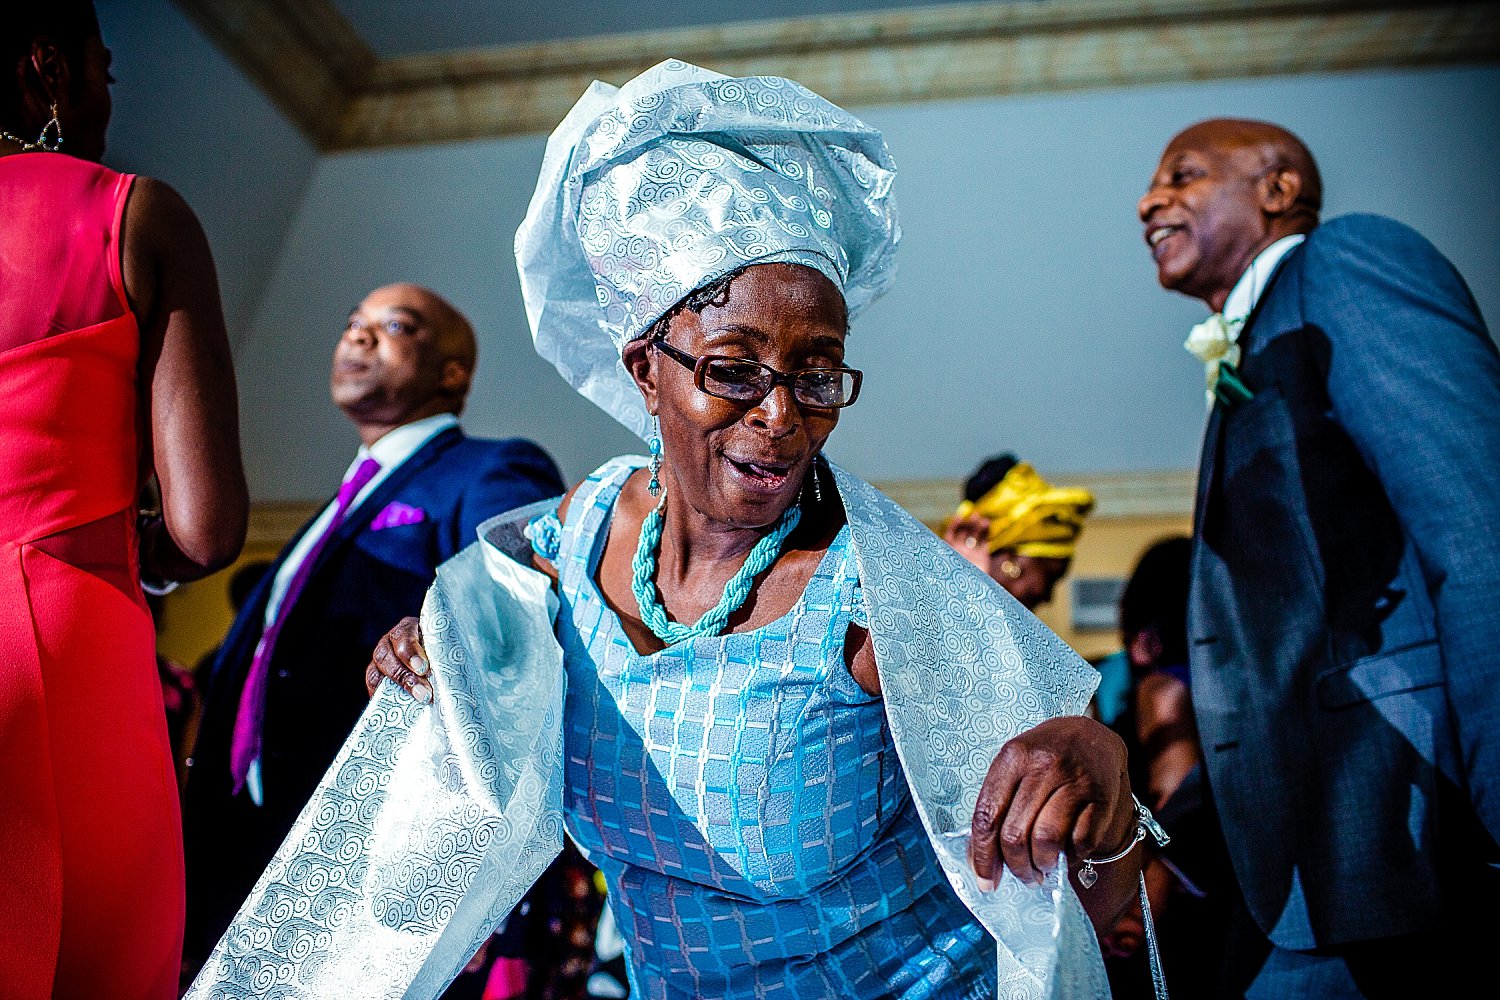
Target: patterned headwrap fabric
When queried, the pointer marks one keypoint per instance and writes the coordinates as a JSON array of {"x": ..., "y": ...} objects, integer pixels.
[
  {"x": 652, "y": 190},
  {"x": 1031, "y": 517}
]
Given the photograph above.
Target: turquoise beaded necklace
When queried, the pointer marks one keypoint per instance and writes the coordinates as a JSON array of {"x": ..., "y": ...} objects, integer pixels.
[{"x": 735, "y": 591}]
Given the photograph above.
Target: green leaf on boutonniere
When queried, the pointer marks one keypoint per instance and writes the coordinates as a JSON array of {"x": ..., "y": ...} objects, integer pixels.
[{"x": 1229, "y": 389}]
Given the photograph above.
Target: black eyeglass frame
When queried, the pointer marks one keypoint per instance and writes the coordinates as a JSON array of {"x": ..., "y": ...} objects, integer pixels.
[{"x": 699, "y": 368}]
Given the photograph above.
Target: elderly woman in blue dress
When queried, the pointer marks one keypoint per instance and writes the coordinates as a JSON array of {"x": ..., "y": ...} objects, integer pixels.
[{"x": 813, "y": 751}]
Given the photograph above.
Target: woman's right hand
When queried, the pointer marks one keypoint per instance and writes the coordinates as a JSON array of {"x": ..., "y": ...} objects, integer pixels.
[{"x": 400, "y": 656}]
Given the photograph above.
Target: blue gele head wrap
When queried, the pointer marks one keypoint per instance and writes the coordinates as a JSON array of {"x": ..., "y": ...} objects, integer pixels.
[{"x": 654, "y": 189}]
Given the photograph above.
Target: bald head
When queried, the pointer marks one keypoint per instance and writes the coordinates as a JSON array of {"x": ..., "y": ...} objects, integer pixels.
[
  {"x": 406, "y": 353},
  {"x": 455, "y": 334},
  {"x": 1226, "y": 189},
  {"x": 1273, "y": 147}
]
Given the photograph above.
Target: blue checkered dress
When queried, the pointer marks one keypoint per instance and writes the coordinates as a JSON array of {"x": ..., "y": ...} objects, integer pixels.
[{"x": 742, "y": 796}]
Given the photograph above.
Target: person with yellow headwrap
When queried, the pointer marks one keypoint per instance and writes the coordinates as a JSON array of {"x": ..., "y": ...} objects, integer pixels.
[{"x": 1018, "y": 528}]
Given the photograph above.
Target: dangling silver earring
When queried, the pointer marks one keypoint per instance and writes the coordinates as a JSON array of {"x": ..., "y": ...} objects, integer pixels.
[
  {"x": 54, "y": 126},
  {"x": 817, "y": 485},
  {"x": 654, "y": 487}
]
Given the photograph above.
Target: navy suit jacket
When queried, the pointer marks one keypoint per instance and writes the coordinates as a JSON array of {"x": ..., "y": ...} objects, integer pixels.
[
  {"x": 364, "y": 581},
  {"x": 1346, "y": 589}
]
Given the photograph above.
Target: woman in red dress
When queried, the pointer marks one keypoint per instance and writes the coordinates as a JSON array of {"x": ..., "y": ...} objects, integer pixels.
[{"x": 114, "y": 365}]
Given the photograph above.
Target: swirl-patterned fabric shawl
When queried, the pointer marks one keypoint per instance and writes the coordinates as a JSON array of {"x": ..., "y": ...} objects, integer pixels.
[{"x": 433, "y": 820}]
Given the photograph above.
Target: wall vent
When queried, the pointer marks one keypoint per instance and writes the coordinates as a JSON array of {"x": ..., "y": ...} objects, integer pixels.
[{"x": 1096, "y": 602}]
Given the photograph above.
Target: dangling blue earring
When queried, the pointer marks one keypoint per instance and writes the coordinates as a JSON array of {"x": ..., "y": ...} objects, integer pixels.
[{"x": 654, "y": 487}]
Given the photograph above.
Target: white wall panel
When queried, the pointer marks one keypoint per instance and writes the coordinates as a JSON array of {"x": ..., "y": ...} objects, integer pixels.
[{"x": 1026, "y": 315}]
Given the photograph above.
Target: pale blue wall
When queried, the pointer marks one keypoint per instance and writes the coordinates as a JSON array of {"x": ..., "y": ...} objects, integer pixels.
[
  {"x": 1026, "y": 315},
  {"x": 401, "y": 27},
  {"x": 185, "y": 114},
  {"x": 444, "y": 217}
]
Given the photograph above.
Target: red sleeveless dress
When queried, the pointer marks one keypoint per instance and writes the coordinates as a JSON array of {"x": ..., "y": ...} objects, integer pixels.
[{"x": 91, "y": 877}]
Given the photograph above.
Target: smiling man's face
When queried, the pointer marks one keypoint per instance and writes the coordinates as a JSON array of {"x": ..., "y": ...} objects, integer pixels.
[{"x": 1205, "y": 212}]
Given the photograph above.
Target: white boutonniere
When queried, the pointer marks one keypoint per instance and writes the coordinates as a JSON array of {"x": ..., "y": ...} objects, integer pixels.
[{"x": 1213, "y": 342}]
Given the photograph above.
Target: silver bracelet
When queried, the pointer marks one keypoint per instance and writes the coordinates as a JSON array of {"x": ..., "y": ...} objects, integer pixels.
[{"x": 1144, "y": 823}]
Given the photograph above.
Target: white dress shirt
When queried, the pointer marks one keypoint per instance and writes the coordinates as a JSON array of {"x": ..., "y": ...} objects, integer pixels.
[{"x": 1252, "y": 284}]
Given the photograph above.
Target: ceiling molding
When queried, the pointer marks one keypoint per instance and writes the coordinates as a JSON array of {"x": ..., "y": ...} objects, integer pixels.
[
  {"x": 302, "y": 53},
  {"x": 310, "y": 61}
]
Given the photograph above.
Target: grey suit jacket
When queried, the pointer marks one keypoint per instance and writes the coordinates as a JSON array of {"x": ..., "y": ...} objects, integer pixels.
[{"x": 1346, "y": 593}]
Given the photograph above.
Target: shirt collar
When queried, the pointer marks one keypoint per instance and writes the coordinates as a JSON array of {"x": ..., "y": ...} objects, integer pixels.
[
  {"x": 396, "y": 446},
  {"x": 1252, "y": 284}
]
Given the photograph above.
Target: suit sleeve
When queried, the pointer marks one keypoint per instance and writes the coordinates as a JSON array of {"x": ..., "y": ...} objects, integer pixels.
[
  {"x": 516, "y": 472},
  {"x": 1414, "y": 379}
]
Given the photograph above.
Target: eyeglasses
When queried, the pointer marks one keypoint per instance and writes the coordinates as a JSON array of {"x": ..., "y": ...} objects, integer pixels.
[{"x": 741, "y": 380}]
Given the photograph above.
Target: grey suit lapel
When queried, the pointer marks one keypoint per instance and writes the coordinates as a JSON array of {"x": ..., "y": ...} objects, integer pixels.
[
  {"x": 1268, "y": 314},
  {"x": 1213, "y": 431},
  {"x": 1274, "y": 308}
]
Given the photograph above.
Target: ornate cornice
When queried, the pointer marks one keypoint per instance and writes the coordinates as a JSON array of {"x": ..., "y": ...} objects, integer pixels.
[
  {"x": 301, "y": 53},
  {"x": 312, "y": 64}
]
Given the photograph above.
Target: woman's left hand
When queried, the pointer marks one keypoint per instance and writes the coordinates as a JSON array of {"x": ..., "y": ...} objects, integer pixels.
[{"x": 1060, "y": 787}]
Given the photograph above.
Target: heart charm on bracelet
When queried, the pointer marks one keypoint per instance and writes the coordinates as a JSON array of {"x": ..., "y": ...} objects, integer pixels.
[{"x": 1145, "y": 824}]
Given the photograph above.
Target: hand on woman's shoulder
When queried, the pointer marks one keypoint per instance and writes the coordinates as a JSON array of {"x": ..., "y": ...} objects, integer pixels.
[{"x": 540, "y": 562}]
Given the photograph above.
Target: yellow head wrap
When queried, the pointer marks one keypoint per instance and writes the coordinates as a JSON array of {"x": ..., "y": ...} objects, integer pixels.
[{"x": 1030, "y": 516}]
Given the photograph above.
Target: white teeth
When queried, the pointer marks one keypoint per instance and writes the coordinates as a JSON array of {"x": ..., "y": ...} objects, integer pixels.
[{"x": 1158, "y": 235}]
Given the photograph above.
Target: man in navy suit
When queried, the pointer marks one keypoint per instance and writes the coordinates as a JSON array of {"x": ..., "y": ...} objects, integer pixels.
[
  {"x": 288, "y": 683},
  {"x": 1345, "y": 668}
]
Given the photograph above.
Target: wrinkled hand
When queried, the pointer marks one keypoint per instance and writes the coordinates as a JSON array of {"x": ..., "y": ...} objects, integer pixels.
[
  {"x": 400, "y": 656},
  {"x": 970, "y": 536},
  {"x": 1060, "y": 787}
]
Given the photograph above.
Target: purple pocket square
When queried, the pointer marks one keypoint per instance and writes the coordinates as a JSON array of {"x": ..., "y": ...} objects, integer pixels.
[{"x": 396, "y": 514}]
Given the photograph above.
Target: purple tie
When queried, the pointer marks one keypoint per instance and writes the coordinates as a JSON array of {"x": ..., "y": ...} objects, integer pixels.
[{"x": 247, "y": 720}]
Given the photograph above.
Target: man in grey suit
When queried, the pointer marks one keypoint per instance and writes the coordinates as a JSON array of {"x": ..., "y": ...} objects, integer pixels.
[{"x": 1345, "y": 665}]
